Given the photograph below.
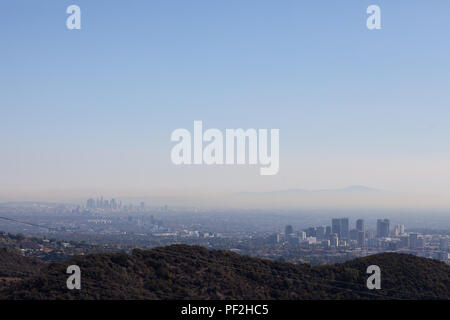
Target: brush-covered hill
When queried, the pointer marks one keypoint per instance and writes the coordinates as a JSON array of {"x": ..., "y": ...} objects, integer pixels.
[
  {"x": 190, "y": 272},
  {"x": 14, "y": 267}
]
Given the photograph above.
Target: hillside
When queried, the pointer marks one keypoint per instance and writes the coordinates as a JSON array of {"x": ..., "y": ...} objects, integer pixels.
[
  {"x": 14, "y": 267},
  {"x": 187, "y": 272}
]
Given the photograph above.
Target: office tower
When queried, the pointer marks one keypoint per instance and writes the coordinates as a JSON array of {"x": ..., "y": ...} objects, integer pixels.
[
  {"x": 311, "y": 232},
  {"x": 142, "y": 206},
  {"x": 361, "y": 238},
  {"x": 382, "y": 228},
  {"x": 274, "y": 239},
  {"x": 399, "y": 229},
  {"x": 404, "y": 241},
  {"x": 302, "y": 235},
  {"x": 420, "y": 243},
  {"x": 292, "y": 239},
  {"x": 443, "y": 243},
  {"x": 113, "y": 204},
  {"x": 336, "y": 226},
  {"x": 320, "y": 232},
  {"x": 90, "y": 204},
  {"x": 328, "y": 232},
  {"x": 413, "y": 240},
  {"x": 360, "y": 225},
  {"x": 334, "y": 241},
  {"x": 340, "y": 227},
  {"x": 344, "y": 228},
  {"x": 288, "y": 230}
]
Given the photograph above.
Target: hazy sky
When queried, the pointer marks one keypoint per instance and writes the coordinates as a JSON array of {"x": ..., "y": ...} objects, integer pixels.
[{"x": 93, "y": 109}]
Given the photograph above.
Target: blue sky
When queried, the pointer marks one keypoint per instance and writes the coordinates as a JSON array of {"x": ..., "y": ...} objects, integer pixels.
[{"x": 80, "y": 106}]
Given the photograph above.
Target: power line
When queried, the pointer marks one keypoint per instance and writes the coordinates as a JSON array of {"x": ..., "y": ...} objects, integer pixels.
[{"x": 29, "y": 223}]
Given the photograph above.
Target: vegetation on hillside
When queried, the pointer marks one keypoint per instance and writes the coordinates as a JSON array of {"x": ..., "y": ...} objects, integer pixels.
[{"x": 190, "y": 272}]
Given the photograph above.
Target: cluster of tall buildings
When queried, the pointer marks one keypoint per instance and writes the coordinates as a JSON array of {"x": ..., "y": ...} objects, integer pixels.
[
  {"x": 340, "y": 234},
  {"x": 112, "y": 204},
  {"x": 100, "y": 203}
]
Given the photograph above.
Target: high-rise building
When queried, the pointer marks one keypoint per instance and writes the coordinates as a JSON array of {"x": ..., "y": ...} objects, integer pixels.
[
  {"x": 292, "y": 239},
  {"x": 288, "y": 230},
  {"x": 413, "y": 240},
  {"x": 302, "y": 235},
  {"x": 336, "y": 226},
  {"x": 334, "y": 241},
  {"x": 420, "y": 243},
  {"x": 443, "y": 243},
  {"x": 382, "y": 228},
  {"x": 340, "y": 227},
  {"x": 320, "y": 232},
  {"x": 311, "y": 232},
  {"x": 90, "y": 204},
  {"x": 399, "y": 229},
  {"x": 344, "y": 228},
  {"x": 113, "y": 204},
  {"x": 360, "y": 225},
  {"x": 274, "y": 239},
  {"x": 404, "y": 241},
  {"x": 361, "y": 238}
]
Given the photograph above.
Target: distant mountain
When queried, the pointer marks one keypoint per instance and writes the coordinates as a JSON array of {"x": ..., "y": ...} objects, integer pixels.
[
  {"x": 190, "y": 272},
  {"x": 356, "y": 188}
]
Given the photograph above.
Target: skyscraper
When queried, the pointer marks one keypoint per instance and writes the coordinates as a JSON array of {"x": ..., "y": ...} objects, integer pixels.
[
  {"x": 344, "y": 229},
  {"x": 90, "y": 203},
  {"x": 288, "y": 230},
  {"x": 327, "y": 232},
  {"x": 334, "y": 241},
  {"x": 340, "y": 227},
  {"x": 336, "y": 226},
  {"x": 320, "y": 232},
  {"x": 361, "y": 238},
  {"x": 360, "y": 225},
  {"x": 413, "y": 240},
  {"x": 382, "y": 228}
]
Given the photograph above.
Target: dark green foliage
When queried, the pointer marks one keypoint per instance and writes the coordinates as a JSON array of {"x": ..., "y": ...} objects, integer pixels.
[
  {"x": 189, "y": 272},
  {"x": 14, "y": 265}
]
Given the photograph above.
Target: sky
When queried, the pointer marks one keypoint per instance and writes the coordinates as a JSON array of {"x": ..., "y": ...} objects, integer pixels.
[{"x": 90, "y": 111}]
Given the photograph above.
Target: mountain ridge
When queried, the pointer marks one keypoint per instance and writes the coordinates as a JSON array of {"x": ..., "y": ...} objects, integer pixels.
[{"x": 191, "y": 272}]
